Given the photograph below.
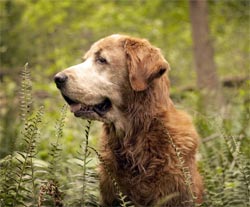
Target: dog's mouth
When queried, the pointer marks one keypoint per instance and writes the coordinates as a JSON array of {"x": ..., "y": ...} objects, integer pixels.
[{"x": 83, "y": 110}]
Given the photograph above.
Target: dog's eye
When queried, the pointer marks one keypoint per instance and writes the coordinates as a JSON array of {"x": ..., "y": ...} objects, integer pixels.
[{"x": 101, "y": 60}]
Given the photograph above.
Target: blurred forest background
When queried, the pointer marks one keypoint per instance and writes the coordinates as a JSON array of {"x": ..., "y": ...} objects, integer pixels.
[{"x": 51, "y": 35}]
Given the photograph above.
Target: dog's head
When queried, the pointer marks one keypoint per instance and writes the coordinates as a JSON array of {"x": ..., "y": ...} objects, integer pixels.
[{"x": 116, "y": 64}]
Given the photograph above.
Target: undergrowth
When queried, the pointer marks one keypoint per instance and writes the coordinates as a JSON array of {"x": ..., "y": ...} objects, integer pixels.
[{"x": 26, "y": 180}]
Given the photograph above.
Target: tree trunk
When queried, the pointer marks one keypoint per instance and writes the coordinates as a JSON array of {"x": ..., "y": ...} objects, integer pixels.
[{"x": 207, "y": 79}]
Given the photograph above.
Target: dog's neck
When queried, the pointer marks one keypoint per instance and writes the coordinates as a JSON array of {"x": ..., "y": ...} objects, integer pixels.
[
  {"x": 144, "y": 121},
  {"x": 142, "y": 111}
]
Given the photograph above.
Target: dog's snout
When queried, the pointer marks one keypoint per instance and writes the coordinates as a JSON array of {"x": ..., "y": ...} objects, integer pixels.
[{"x": 60, "y": 80}]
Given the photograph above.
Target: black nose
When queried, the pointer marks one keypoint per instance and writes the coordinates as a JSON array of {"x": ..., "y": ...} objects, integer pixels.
[{"x": 60, "y": 80}]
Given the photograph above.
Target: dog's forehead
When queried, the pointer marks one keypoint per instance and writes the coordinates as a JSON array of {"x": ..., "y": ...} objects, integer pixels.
[
  {"x": 108, "y": 43},
  {"x": 116, "y": 38}
]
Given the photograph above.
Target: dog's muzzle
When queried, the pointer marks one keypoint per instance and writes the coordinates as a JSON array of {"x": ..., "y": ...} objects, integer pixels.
[{"x": 80, "y": 109}]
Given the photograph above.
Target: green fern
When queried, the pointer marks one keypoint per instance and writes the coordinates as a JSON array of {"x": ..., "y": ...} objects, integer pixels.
[
  {"x": 166, "y": 199},
  {"x": 242, "y": 166},
  {"x": 87, "y": 181},
  {"x": 25, "y": 93},
  {"x": 7, "y": 184},
  {"x": 225, "y": 170},
  {"x": 55, "y": 147},
  {"x": 124, "y": 201},
  {"x": 49, "y": 193},
  {"x": 19, "y": 182},
  {"x": 25, "y": 171},
  {"x": 185, "y": 170},
  {"x": 86, "y": 155}
]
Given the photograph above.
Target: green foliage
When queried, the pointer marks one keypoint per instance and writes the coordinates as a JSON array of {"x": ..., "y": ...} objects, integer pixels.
[
  {"x": 49, "y": 193},
  {"x": 59, "y": 28},
  {"x": 18, "y": 181},
  {"x": 25, "y": 97},
  {"x": 185, "y": 170},
  {"x": 86, "y": 178},
  {"x": 225, "y": 168},
  {"x": 19, "y": 169},
  {"x": 124, "y": 202}
]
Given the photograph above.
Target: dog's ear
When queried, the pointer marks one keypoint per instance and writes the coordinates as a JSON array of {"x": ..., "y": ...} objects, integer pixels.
[{"x": 145, "y": 63}]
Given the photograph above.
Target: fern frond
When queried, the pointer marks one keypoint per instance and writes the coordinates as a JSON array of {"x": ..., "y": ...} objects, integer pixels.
[
  {"x": 166, "y": 199},
  {"x": 25, "y": 169},
  {"x": 124, "y": 202},
  {"x": 8, "y": 183},
  {"x": 224, "y": 169},
  {"x": 25, "y": 93},
  {"x": 243, "y": 167},
  {"x": 86, "y": 154},
  {"x": 185, "y": 170},
  {"x": 18, "y": 184},
  {"x": 17, "y": 168},
  {"x": 55, "y": 147},
  {"x": 49, "y": 190},
  {"x": 84, "y": 190}
]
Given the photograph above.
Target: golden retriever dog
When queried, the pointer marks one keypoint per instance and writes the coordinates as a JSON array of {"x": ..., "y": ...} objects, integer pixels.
[{"x": 148, "y": 146}]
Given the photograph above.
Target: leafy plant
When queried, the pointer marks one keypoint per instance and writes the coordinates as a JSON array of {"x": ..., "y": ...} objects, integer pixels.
[
  {"x": 49, "y": 188},
  {"x": 85, "y": 181},
  {"x": 124, "y": 201},
  {"x": 19, "y": 169},
  {"x": 226, "y": 171}
]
